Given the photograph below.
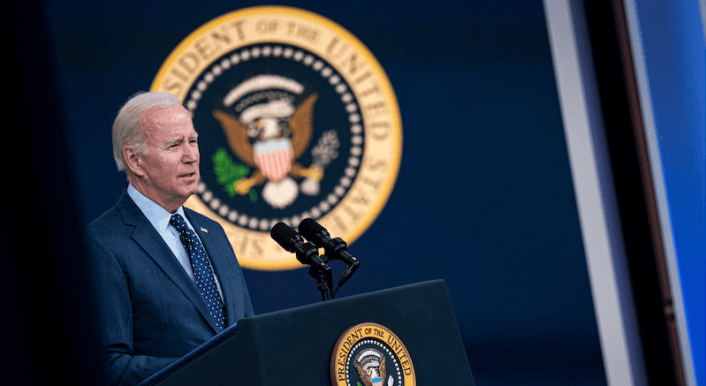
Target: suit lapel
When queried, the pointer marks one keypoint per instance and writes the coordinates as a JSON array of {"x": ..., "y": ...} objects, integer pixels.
[{"x": 151, "y": 242}]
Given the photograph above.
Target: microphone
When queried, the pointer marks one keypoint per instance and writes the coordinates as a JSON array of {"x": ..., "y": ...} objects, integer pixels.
[
  {"x": 335, "y": 249},
  {"x": 293, "y": 242},
  {"x": 307, "y": 254}
]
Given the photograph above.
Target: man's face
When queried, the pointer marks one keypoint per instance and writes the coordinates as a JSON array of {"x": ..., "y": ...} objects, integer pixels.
[{"x": 171, "y": 164}]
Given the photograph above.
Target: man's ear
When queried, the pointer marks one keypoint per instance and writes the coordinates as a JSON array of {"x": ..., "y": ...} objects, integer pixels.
[{"x": 133, "y": 161}]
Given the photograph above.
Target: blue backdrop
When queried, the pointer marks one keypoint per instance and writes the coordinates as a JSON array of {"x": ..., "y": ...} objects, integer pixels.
[
  {"x": 484, "y": 197},
  {"x": 675, "y": 62}
]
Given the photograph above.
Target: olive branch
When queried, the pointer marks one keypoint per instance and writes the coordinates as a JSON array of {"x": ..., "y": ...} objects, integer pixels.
[{"x": 227, "y": 171}]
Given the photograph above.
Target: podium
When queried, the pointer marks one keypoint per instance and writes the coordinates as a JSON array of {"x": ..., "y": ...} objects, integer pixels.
[{"x": 295, "y": 346}]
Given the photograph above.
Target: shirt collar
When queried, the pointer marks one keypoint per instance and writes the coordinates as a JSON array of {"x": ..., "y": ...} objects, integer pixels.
[{"x": 157, "y": 216}]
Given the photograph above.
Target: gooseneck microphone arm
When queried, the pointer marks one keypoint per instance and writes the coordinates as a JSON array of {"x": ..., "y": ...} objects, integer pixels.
[{"x": 307, "y": 254}]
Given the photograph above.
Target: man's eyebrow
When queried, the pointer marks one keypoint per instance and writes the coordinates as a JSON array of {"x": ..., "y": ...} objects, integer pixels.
[
  {"x": 172, "y": 142},
  {"x": 177, "y": 141}
]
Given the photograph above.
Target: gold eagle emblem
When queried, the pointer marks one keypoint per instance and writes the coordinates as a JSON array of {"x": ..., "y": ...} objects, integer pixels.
[
  {"x": 370, "y": 369},
  {"x": 297, "y": 128}
]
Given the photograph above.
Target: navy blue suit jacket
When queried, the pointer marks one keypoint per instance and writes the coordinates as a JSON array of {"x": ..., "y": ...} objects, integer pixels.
[{"x": 149, "y": 311}]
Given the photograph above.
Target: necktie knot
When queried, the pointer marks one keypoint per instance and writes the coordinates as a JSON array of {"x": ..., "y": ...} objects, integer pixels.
[
  {"x": 185, "y": 234},
  {"x": 177, "y": 222}
]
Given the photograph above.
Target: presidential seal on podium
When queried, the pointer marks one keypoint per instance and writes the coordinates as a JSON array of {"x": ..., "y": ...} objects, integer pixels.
[{"x": 369, "y": 354}]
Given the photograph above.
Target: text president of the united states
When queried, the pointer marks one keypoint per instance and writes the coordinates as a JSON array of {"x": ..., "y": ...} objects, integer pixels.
[{"x": 165, "y": 278}]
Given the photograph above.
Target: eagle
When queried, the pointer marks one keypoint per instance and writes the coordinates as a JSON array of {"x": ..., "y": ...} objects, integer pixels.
[
  {"x": 367, "y": 376},
  {"x": 280, "y": 122}
]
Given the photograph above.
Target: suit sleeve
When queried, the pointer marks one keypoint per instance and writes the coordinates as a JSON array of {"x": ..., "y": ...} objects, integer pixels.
[
  {"x": 247, "y": 303},
  {"x": 113, "y": 310},
  {"x": 246, "y": 295}
]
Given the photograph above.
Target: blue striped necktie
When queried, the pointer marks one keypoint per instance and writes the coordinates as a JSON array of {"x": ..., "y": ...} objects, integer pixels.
[{"x": 203, "y": 272}]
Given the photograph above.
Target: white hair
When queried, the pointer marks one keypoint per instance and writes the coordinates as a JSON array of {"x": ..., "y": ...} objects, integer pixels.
[{"x": 127, "y": 127}]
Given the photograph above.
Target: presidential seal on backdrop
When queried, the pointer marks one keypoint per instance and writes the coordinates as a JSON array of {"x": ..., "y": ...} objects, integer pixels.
[
  {"x": 369, "y": 354},
  {"x": 296, "y": 119}
]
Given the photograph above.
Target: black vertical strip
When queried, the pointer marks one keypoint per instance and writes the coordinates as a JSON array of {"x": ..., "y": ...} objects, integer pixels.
[
  {"x": 627, "y": 146},
  {"x": 47, "y": 335}
]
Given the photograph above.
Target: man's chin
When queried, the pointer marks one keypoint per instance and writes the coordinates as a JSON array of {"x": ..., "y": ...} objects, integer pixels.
[
  {"x": 186, "y": 190},
  {"x": 189, "y": 192}
]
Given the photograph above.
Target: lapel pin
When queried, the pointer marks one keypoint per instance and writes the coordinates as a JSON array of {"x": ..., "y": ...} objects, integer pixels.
[{"x": 204, "y": 230}]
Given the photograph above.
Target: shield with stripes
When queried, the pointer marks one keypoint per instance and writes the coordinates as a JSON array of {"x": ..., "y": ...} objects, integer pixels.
[{"x": 274, "y": 157}]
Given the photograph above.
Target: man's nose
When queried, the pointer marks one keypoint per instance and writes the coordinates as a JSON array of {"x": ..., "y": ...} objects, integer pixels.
[{"x": 191, "y": 153}]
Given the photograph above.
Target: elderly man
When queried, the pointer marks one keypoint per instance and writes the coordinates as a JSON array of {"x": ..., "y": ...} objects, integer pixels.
[{"x": 165, "y": 278}]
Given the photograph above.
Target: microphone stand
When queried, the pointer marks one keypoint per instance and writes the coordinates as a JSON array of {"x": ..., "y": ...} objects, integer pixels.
[
  {"x": 334, "y": 249},
  {"x": 319, "y": 270},
  {"x": 306, "y": 253},
  {"x": 324, "y": 280}
]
